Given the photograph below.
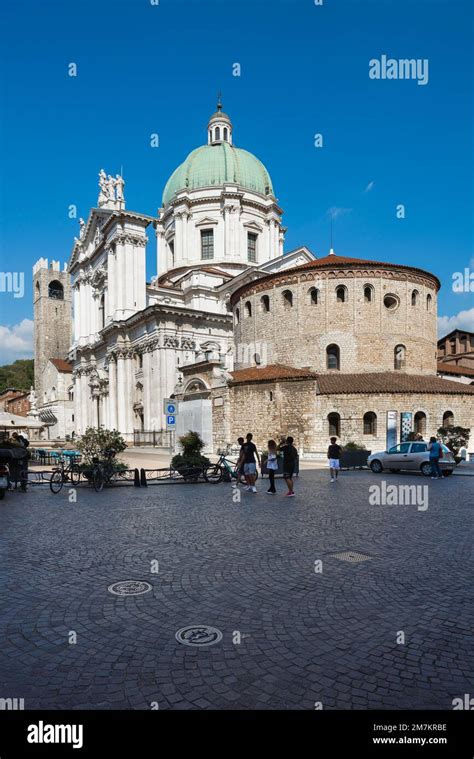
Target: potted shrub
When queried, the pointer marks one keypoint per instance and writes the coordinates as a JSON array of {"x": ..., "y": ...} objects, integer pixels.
[
  {"x": 354, "y": 455},
  {"x": 92, "y": 445},
  {"x": 190, "y": 462}
]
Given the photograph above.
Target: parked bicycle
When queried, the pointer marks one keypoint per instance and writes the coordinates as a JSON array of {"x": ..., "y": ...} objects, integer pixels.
[
  {"x": 62, "y": 473},
  {"x": 103, "y": 471},
  {"x": 224, "y": 469}
]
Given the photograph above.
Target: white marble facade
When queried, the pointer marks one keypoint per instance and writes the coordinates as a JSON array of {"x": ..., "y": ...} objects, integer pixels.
[{"x": 132, "y": 338}]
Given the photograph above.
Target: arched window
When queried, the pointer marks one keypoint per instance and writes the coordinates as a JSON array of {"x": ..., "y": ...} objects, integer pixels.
[
  {"x": 37, "y": 288},
  {"x": 332, "y": 357},
  {"x": 237, "y": 315},
  {"x": 56, "y": 290},
  {"x": 448, "y": 419},
  {"x": 102, "y": 311},
  {"x": 313, "y": 295},
  {"x": 248, "y": 308},
  {"x": 429, "y": 301},
  {"x": 334, "y": 425},
  {"x": 265, "y": 303},
  {"x": 370, "y": 423},
  {"x": 217, "y": 133},
  {"x": 341, "y": 294},
  {"x": 225, "y": 133},
  {"x": 287, "y": 298},
  {"x": 399, "y": 357},
  {"x": 419, "y": 423},
  {"x": 70, "y": 393},
  {"x": 368, "y": 294},
  {"x": 414, "y": 297}
]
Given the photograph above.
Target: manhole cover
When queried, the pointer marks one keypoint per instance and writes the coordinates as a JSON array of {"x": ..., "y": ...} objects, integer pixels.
[
  {"x": 352, "y": 556},
  {"x": 198, "y": 635},
  {"x": 129, "y": 588}
]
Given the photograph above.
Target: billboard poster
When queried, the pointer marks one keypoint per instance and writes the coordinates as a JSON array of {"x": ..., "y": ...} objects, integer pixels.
[
  {"x": 406, "y": 420},
  {"x": 391, "y": 439}
]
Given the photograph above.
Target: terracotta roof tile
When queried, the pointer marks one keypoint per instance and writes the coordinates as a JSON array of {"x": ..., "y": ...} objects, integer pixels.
[
  {"x": 268, "y": 373},
  {"x": 328, "y": 263},
  {"x": 61, "y": 365},
  {"x": 388, "y": 382},
  {"x": 455, "y": 369},
  {"x": 339, "y": 384}
]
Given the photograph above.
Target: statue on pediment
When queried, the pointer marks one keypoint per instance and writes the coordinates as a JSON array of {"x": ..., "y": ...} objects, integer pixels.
[{"x": 104, "y": 190}]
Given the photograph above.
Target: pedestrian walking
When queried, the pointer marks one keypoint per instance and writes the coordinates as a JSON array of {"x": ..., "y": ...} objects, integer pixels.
[
  {"x": 247, "y": 459},
  {"x": 334, "y": 456},
  {"x": 272, "y": 465},
  {"x": 436, "y": 452},
  {"x": 290, "y": 457},
  {"x": 239, "y": 471}
]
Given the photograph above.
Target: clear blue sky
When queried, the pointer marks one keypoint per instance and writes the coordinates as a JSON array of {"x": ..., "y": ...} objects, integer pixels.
[{"x": 304, "y": 70}]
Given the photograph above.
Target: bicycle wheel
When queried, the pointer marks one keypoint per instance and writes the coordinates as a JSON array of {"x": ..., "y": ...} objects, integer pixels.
[
  {"x": 213, "y": 473},
  {"x": 56, "y": 482},
  {"x": 75, "y": 474},
  {"x": 97, "y": 480}
]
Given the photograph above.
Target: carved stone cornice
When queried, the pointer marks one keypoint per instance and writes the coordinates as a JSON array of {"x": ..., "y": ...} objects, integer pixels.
[{"x": 128, "y": 238}]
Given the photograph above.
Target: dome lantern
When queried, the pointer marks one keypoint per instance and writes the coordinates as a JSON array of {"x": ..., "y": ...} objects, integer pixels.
[{"x": 219, "y": 128}]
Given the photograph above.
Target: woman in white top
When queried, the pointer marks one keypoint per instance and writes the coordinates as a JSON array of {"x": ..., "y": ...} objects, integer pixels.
[{"x": 272, "y": 465}]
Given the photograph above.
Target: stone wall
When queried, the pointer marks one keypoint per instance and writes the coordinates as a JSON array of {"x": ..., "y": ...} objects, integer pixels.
[{"x": 271, "y": 409}]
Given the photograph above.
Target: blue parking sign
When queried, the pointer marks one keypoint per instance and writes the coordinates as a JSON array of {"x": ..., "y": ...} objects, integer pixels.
[{"x": 171, "y": 420}]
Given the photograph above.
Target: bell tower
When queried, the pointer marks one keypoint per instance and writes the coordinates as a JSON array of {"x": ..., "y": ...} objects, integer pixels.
[{"x": 52, "y": 317}]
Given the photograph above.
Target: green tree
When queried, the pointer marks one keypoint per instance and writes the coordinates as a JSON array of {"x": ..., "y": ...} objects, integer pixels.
[
  {"x": 454, "y": 437},
  {"x": 19, "y": 375},
  {"x": 94, "y": 442}
]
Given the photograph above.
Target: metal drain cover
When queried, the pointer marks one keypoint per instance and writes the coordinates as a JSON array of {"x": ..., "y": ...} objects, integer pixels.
[
  {"x": 198, "y": 635},
  {"x": 129, "y": 588},
  {"x": 351, "y": 556}
]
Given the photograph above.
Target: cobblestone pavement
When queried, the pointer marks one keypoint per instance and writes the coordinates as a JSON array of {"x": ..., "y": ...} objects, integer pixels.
[{"x": 248, "y": 568}]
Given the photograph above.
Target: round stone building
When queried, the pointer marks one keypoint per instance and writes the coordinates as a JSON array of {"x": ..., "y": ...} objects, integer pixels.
[
  {"x": 339, "y": 314},
  {"x": 337, "y": 346}
]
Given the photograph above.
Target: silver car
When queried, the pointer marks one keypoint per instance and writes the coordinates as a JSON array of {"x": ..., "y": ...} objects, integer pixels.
[{"x": 414, "y": 456}]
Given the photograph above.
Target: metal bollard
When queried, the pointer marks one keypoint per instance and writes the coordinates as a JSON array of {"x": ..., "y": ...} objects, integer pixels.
[
  {"x": 143, "y": 481},
  {"x": 136, "y": 478}
]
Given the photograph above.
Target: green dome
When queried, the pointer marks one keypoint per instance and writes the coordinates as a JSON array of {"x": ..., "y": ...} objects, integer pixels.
[{"x": 212, "y": 165}]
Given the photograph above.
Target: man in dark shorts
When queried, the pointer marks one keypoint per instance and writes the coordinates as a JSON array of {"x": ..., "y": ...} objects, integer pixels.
[
  {"x": 247, "y": 459},
  {"x": 290, "y": 456},
  {"x": 334, "y": 454}
]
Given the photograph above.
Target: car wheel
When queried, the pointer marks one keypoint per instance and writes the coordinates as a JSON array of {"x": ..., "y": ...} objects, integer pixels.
[
  {"x": 394, "y": 470},
  {"x": 376, "y": 466},
  {"x": 425, "y": 468}
]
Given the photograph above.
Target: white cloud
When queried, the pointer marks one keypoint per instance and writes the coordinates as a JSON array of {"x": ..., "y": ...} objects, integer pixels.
[
  {"x": 369, "y": 186},
  {"x": 16, "y": 342},
  {"x": 462, "y": 320},
  {"x": 334, "y": 212}
]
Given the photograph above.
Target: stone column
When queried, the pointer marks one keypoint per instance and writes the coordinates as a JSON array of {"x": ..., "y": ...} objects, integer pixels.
[
  {"x": 85, "y": 400},
  {"x": 147, "y": 379},
  {"x": 77, "y": 404},
  {"x": 112, "y": 398},
  {"x": 121, "y": 393},
  {"x": 129, "y": 397}
]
